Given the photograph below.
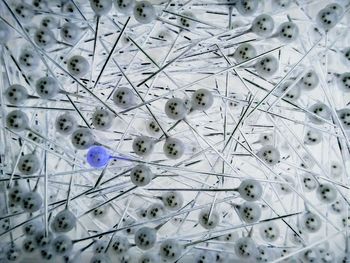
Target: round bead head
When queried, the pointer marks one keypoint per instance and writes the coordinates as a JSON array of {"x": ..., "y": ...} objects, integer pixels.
[
  {"x": 101, "y": 7},
  {"x": 173, "y": 148},
  {"x": 250, "y": 190},
  {"x": 82, "y": 139},
  {"x": 269, "y": 154},
  {"x": 143, "y": 145},
  {"x": 263, "y": 25},
  {"x": 97, "y": 156},
  {"x": 17, "y": 120},
  {"x": 288, "y": 32},
  {"x": 16, "y": 94},
  {"x": 65, "y": 124},
  {"x": 63, "y": 222},
  {"x": 267, "y": 66},
  {"x": 176, "y": 109},
  {"x": 78, "y": 66},
  {"x": 145, "y": 238},
  {"x": 207, "y": 220},
  {"x": 144, "y": 12},
  {"x": 202, "y": 99},
  {"x": 170, "y": 249}
]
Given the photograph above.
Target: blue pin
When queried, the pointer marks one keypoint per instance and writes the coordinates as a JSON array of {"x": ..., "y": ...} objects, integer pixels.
[{"x": 97, "y": 156}]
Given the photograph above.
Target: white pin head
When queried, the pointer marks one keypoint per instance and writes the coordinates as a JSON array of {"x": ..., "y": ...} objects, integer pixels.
[
  {"x": 49, "y": 22},
  {"x": 155, "y": 210},
  {"x": 336, "y": 169},
  {"x": 286, "y": 188},
  {"x": 44, "y": 38},
  {"x": 344, "y": 117},
  {"x": 320, "y": 111},
  {"x": 173, "y": 148},
  {"x": 202, "y": 99},
  {"x": 310, "y": 256},
  {"x": 124, "y": 97},
  {"x": 149, "y": 257},
  {"x": 65, "y": 124},
  {"x": 70, "y": 33},
  {"x": 185, "y": 21},
  {"x": 267, "y": 66},
  {"x": 153, "y": 128},
  {"x": 43, "y": 240},
  {"x": 209, "y": 220},
  {"x": 287, "y": 32},
  {"x": 13, "y": 253},
  {"x": 15, "y": 193},
  {"x": 328, "y": 17},
  {"x": 78, "y": 66},
  {"x": 47, "y": 88},
  {"x": 170, "y": 250},
  {"x": 312, "y": 137},
  {"x": 309, "y": 183},
  {"x": 24, "y": 12},
  {"x": 250, "y": 212},
  {"x": 263, "y": 25},
  {"x": 16, "y": 94},
  {"x": 343, "y": 82},
  {"x": 144, "y": 12},
  {"x": 128, "y": 221},
  {"x": 326, "y": 255},
  {"x": 82, "y": 139},
  {"x": 326, "y": 193},
  {"x": 172, "y": 200},
  {"x": 292, "y": 94},
  {"x": 264, "y": 254},
  {"x": 269, "y": 154},
  {"x": 119, "y": 245},
  {"x": 250, "y": 190},
  {"x": 47, "y": 254},
  {"x": 176, "y": 109},
  {"x": 141, "y": 175},
  {"x": 145, "y": 238},
  {"x": 102, "y": 119},
  {"x": 204, "y": 257},
  {"x": 32, "y": 227},
  {"x": 245, "y": 248},
  {"x": 143, "y": 145},
  {"x": 99, "y": 246},
  {"x": 298, "y": 237},
  {"x": 101, "y": 7},
  {"x": 269, "y": 231},
  {"x": 100, "y": 211},
  {"x": 28, "y": 164},
  {"x": 31, "y": 202},
  {"x": 29, "y": 246},
  {"x": 247, "y": 7},
  {"x": 337, "y": 207},
  {"x": 244, "y": 52},
  {"x": 62, "y": 244},
  {"x": 40, "y": 4},
  {"x": 281, "y": 4},
  {"x": 124, "y": 6},
  {"x": 309, "y": 81},
  {"x": 100, "y": 258},
  {"x": 28, "y": 59},
  {"x": 266, "y": 138},
  {"x": 311, "y": 222},
  {"x": 63, "y": 222}
]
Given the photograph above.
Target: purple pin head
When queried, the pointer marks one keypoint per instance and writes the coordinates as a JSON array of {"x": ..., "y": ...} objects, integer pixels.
[{"x": 97, "y": 156}]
